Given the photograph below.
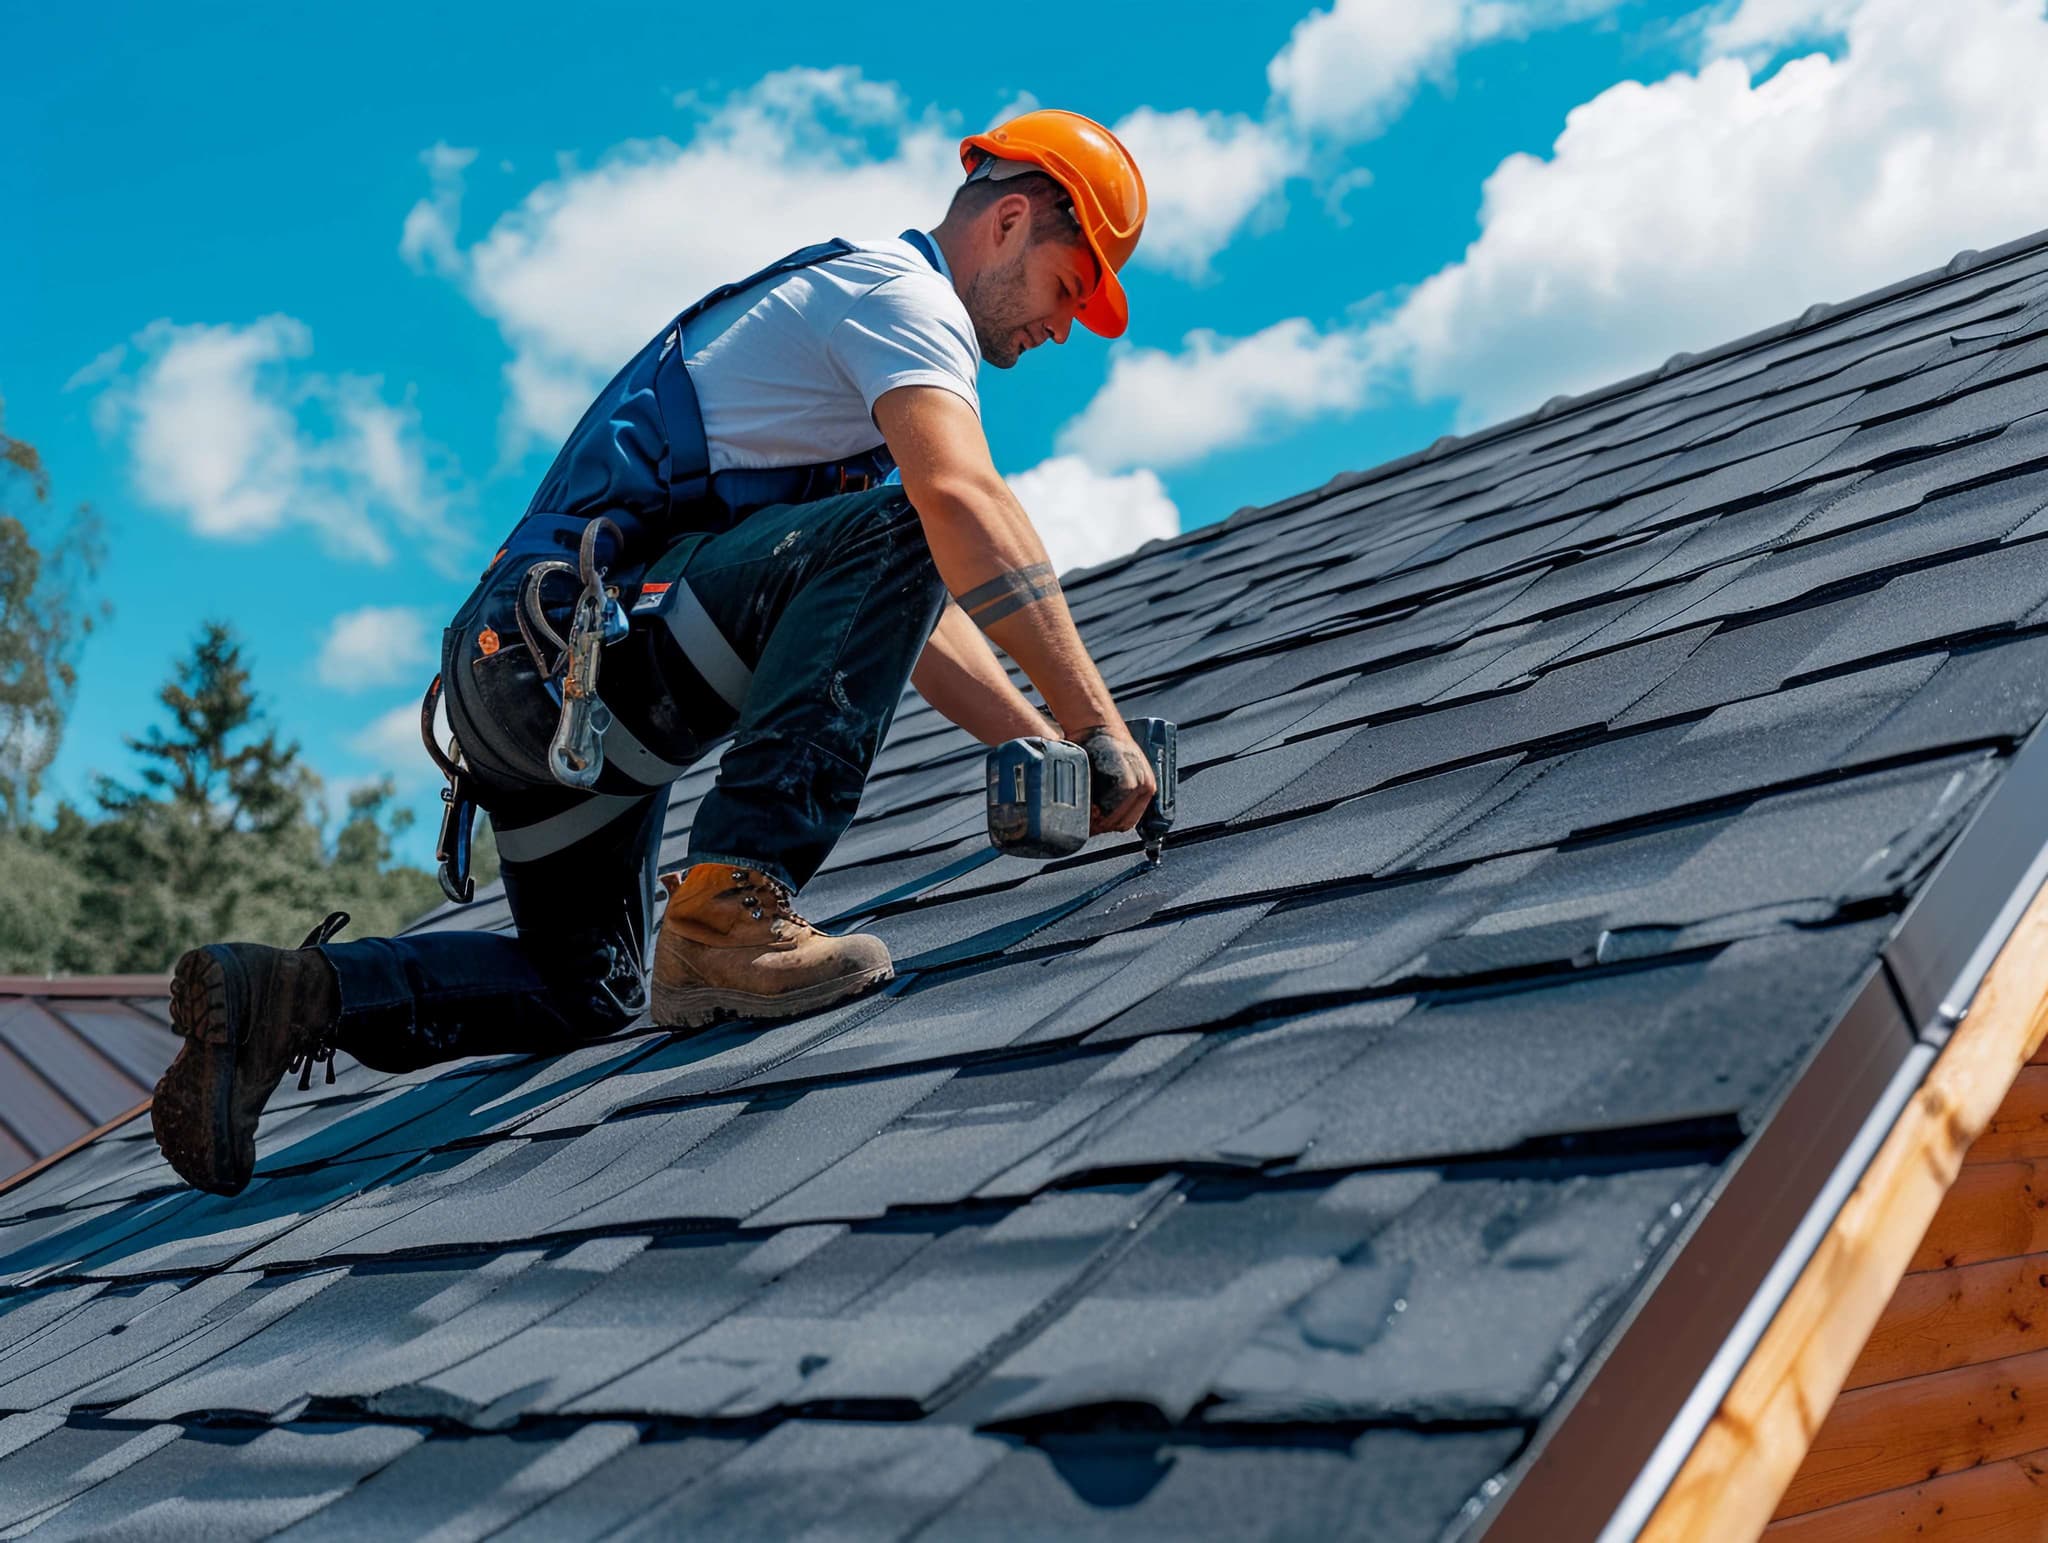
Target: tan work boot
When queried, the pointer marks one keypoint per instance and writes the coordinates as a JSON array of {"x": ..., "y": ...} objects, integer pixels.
[
  {"x": 248, "y": 1014},
  {"x": 731, "y": 947}
]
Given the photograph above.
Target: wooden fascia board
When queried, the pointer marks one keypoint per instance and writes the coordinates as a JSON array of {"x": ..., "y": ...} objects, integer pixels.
[
  {"x": 1731, "y": 1482},
  {"x": 115, "y": 987},
  {"x": 14, "y": 1180}
]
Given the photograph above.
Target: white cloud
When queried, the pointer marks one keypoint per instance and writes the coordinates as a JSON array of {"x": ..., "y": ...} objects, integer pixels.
[
  {"x": 209, "y": 439},
  {"x": 103, "y": 367},
  {"x": 1685, "y": 213},
  {"x": 591, "y": 264},
  {"x": 229, "y": 431},
  {"x": 1086, "y": 517},
  {"x": 1206, "y": 174},
  {"x": 1341, "y": 187},
  {"x": 1023, "y": 102},
  {"x": 391, "y": 743},
  {"x": 378, "y": 645},
  {"x": 428, "y": 240},
  {"x": 1165, "y": 409},
  {"x": 1349, "y": 71},
  {"x": 1754, "y": 28}
]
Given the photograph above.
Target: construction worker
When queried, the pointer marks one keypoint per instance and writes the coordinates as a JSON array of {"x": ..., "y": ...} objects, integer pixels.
[{"x": 779, "y": 590}]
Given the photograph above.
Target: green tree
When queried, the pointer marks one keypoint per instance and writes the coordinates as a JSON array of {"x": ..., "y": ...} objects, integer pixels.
[
  {"x": 221, "y": 835},
  {"x": 217, "y": 772},
  {"x": 46, "y": 566},
  {"x": 380, "y": 895},
  {"x": 42, "y": 897}
]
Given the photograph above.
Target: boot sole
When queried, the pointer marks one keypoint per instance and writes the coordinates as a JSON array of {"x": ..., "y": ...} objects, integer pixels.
[
  {"x": 192, "y": 1111},
  {"x": 697, "y": 1007}
]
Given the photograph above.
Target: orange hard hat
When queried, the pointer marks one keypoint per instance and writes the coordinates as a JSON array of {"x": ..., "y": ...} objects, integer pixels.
[{"x": 1102, "y": 180}]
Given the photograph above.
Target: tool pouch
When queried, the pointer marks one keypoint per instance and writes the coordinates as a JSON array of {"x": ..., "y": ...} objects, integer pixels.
[{"x": 502, "y": 712}]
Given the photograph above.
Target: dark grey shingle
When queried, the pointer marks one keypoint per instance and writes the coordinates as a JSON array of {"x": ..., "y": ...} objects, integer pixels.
[
  {"x": 660, "y": 1297},
  {"x": 1395, "y": 1486},
  {"x": 463, "y": 1489},
  {"x": 1434, "y": 1314},
  {"x": 1488, "y": 1070},
  {"x": 809, "y": 1476},
  {"x": 229, "y": 1485},
  {"x": 639, "y": 1479}
]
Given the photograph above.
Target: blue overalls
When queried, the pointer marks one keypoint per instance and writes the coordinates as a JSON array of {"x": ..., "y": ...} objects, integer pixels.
[{"x": 784, "y": 607}]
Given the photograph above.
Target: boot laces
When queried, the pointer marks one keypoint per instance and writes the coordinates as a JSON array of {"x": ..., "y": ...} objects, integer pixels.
[
  {"x": 750, "y": 884},
  {"x": 323, "y": 1046}
]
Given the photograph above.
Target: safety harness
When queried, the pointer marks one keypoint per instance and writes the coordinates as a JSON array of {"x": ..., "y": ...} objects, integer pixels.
[{"x": 633, "y": 478}]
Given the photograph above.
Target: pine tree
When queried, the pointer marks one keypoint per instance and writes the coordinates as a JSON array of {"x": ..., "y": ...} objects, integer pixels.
[
  {"x": 173, "y": 857},
  {"x": 218, "y": 839}
]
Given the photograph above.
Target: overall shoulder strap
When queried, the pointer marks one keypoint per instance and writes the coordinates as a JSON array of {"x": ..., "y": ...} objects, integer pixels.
[
  {"x": 803, "y": 257},
  {"x": 687, "y": 465}
]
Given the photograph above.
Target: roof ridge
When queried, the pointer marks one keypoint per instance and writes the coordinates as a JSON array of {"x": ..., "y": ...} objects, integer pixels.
[{"x": 1967, "y": 260}]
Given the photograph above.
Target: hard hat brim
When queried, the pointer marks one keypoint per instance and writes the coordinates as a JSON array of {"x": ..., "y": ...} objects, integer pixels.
[{"x": 1106, "y": 311}]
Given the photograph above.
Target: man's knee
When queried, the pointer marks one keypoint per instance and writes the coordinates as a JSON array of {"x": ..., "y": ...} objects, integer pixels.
[{"x": 596, "y": 986}]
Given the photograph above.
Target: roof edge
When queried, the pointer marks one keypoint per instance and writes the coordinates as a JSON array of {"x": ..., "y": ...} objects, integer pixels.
[
  {"x": 1610, "y": 1448},
  {"x": 84, "y": 1139},
  {"x": 85, "y": 986},
  {"x": 1734, "y": 1475},
  {"x": 1966, "y": 261}
]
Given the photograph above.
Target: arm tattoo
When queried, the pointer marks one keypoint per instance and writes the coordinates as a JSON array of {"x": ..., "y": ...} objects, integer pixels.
[{"x": 1008, "y": 593}]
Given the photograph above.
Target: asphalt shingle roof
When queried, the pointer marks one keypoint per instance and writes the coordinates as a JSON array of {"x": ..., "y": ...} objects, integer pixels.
[{"x": 1545, "y": 798}]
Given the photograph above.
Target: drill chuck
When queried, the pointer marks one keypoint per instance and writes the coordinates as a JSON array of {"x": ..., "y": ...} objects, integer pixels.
[{"x": 1160, "y": 740}]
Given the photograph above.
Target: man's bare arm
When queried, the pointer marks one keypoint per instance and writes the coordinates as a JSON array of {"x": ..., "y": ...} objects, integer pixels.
[
  {"x": 1009, "y": 593},
  {"x": 995, "y": 566},
  {"x": 959, "y": 674}
]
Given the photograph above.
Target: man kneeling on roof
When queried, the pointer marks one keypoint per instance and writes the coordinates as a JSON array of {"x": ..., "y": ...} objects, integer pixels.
[{"x": 777, "y": 590}]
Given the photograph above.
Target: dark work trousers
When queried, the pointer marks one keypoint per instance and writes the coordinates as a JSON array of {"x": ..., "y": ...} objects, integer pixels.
[{"x": 795, "y": 631}]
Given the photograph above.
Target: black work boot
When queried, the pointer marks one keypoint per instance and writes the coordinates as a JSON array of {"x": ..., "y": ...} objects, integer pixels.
[{"x": 248, "y": 1014}]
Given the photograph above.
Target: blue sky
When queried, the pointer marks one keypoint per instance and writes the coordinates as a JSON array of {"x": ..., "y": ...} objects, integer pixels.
[{"x": 307, "y": 364}]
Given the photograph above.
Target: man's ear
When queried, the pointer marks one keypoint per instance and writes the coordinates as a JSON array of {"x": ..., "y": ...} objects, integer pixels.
[{"x": 1013, "y": 217}]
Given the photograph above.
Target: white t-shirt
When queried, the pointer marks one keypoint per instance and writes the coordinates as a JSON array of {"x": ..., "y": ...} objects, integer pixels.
[{"x": 787, "y": 374}]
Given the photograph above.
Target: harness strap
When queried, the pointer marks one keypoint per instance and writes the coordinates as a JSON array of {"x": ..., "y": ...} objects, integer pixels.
[
  {"x": 623, "y": 749},
  {"x": 686, "y": 463},
  {"x": 589, "y": 814},
  {"x": 705, "y": 646}
]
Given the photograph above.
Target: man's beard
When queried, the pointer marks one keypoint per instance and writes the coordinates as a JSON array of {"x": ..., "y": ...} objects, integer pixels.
[{"x": 997, "y": 305}]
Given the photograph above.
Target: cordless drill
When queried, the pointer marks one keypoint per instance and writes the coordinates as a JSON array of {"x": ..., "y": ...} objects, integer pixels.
[{"x": 1039, "y": 792}]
